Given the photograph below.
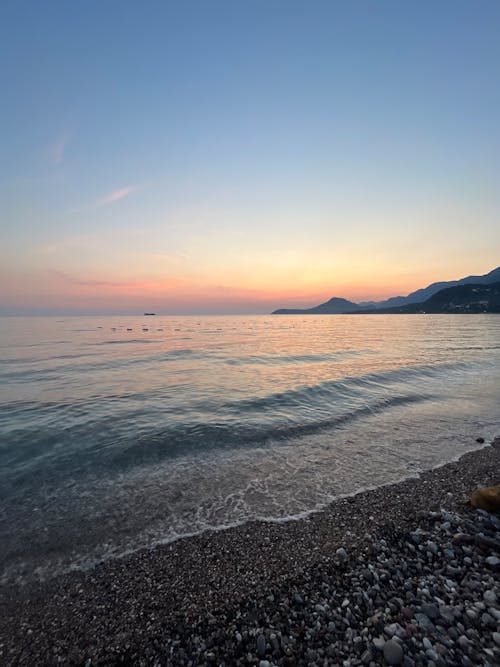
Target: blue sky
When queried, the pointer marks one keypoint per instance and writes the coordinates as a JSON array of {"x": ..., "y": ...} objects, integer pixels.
[{"x": 239, "y": 156}]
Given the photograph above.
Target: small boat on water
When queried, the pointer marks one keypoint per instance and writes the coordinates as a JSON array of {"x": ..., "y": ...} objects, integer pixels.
[{"x": 149, "y": 313}]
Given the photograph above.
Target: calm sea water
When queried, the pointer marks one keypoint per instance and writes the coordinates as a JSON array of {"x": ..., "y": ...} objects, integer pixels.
[{"x": 123, "y": 432}]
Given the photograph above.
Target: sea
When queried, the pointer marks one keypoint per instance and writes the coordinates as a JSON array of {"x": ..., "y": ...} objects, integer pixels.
[{"x": 119, "y": 433}]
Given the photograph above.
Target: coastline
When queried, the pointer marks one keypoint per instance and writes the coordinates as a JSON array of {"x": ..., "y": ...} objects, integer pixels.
[{"x": 133, "y": 608}]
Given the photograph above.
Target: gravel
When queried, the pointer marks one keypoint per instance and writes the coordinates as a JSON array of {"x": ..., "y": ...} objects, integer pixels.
[{"x": 402, "y": 575}]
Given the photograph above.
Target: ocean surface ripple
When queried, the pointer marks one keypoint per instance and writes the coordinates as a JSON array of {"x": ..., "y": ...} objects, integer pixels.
[{"x": 118, "y": 433}]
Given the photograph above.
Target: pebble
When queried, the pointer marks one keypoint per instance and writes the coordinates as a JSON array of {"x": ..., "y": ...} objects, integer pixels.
[
  {"x": 430, "y": 610},
  {"x": 425, "y": 622},
  {"x": 393, "y": 653},
  {"x": 487, "y": 621},
  {"x": 366, "y": 657},
  {"x": 341, "y": 554},
  {"x": 492, "y": 561},
  {"x": 490, "y": 597},
  {"x": 404, "y": 597},
  {"x": 261, "y": 645}
]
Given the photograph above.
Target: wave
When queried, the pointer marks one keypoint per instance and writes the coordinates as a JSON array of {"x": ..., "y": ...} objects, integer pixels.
[
  {"x": 186, "y": 439},
  {"x": 128, "y": 341},
  {"x": 121, "y": 430},
  {"x": 277, "y": 360},
  {"x": 119, "y": 453}
]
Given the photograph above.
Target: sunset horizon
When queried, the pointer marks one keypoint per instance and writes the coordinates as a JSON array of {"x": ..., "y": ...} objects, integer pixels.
[
  {"x": 95, "y": 297},
  {"x": 239, "y": 164}
]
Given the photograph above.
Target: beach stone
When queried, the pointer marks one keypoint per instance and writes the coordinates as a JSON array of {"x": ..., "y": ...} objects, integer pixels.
[
  {"x": 430, "y": 610},
  {"x": 447, "y": 614},
  {"x": 379, "y": 643},
  {"x": 487, "y": 621},
  {"x": 393, "y": 653},
  {"x": 261, "y": 645},
  {"x": 496, "y": 638},
  {"x": 341, "y": 554},
  {"x": 433, "y": 548},
  {"x": 492, "y": 561},
  {"x": 407, "y": 612},
  {"x": 495, "y": 613},
  {"x": 366, "y": 657},
  {"x": 425, "y": 622},
  {"x": 471, "y": 615},
  {"x": 487, "y": 498},
  {"x": 490, "y": 597}
]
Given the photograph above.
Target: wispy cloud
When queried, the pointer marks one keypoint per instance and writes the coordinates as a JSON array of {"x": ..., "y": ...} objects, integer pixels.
[
  {"x": 58, "y": 148},
  {"x": 93, "y": 283},
  {"x": 115, "y": 195},
  {"x": 165, "y": 283},
  {"x": 105, "y": 200}
]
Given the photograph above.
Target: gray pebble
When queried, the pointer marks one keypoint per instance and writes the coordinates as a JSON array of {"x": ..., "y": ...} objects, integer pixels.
[
  {"x": 341, "y": 554},
  {"x": 487, "y": 621},
  {"x": 492, "y": 561},
  {"x": 393, "y": 653},
  {"x": 490, "y": 597},
  {"x": 430, "y": 610}
]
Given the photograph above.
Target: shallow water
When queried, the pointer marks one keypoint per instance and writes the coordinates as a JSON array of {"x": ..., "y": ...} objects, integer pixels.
[{"x": 123, "y": 432}]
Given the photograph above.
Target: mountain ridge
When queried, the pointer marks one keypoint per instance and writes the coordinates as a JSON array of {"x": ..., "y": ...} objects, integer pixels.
[
  {"x": 338, "y": 305},
  {"x": 334, "y": 306},
  {"x": 468, "y": 298}
]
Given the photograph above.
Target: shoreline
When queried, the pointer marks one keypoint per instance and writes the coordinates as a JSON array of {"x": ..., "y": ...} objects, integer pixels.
[
  {"x": 132, "y": 606},
  {"x": 85, "y": 565}
]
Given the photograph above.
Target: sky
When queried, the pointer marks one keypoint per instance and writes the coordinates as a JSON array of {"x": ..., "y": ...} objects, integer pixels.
[{"x": 236, "y": 157}]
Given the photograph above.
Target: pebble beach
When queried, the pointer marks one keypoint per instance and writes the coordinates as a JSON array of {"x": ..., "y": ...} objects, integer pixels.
[{"x": 403, "y": 574}]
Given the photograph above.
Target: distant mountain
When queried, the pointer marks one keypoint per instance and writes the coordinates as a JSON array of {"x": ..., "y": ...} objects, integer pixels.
[
  {"x": 337, "y": 306},
  {"x": 423, "y": 294},
  {"x": 334, "y": 306},
  {"x": 470, "y": 298}
]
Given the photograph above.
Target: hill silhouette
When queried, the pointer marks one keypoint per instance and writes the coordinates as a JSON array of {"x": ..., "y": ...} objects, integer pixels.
[
  {"x": 337, "y": 305},
  {"x": 473, "y": 298},
  {"x": 334, "y": 306}
]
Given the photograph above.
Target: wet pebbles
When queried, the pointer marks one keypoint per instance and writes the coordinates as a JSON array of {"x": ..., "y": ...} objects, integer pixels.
[{"x": 404, "y": 575}]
